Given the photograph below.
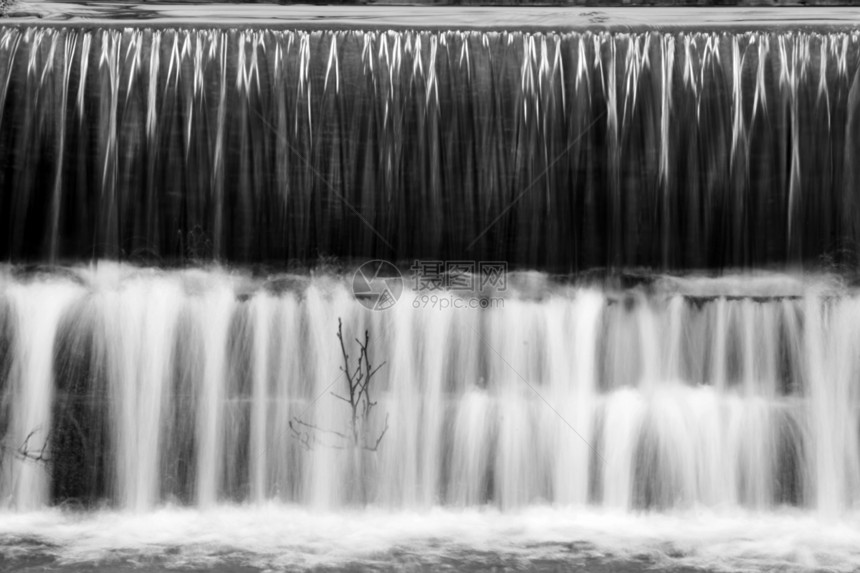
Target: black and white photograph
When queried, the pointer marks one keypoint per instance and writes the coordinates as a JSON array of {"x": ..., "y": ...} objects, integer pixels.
[{"x": 429, "y": 285}]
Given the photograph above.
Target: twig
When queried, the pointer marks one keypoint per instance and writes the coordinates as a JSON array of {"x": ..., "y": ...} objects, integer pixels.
[
  {"x": 315, "y": 428},
  {"x": 379, "y": 439},
  {"x": 357, "y": 396},
  {"x": 23, "y": 451}
]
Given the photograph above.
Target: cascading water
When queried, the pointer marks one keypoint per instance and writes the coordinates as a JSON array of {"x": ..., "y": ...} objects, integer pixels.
[
  {"x": 179, "y": 386},
  {"x": 610, "y": 396},
  {"x": 562, "y": 151}
]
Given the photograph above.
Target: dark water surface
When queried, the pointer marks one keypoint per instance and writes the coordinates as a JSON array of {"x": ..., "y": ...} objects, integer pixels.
[{"x": 555, "y": 150}]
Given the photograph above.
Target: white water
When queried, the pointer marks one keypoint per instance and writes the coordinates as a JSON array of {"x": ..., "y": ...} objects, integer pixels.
[
  {"x": 277, "y": 537},
  {"x": 556, "y": 417}
]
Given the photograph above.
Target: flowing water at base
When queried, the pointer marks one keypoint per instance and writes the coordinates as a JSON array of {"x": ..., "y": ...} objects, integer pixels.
[{"x": 282, "y": 537}]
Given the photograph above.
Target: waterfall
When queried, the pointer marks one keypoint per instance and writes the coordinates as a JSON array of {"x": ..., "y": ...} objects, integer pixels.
[
  {"x": 655, "y": 361},
  {"x": 667, "y": 150},
  {"x": 665, "y": 396}
]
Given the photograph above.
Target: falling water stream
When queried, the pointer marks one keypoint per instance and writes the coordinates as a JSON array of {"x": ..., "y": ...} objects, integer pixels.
[
  {"x": 681, "y": 395},
  {"x": 559, "y": 151},
  {"x": 671, "y": 377}
]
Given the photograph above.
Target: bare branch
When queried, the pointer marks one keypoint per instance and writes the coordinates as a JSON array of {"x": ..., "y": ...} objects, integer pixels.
[
  {"x": 24, "y": 452},
  {"x": 379, "y": 439},
  {"x": 357, "y": 396},
  {"x": 315, "y": 428},
  {"x": 376, "y": 370}
]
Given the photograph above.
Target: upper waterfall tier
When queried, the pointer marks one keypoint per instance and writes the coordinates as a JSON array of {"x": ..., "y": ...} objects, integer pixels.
[{"x": 559, "y": 151}]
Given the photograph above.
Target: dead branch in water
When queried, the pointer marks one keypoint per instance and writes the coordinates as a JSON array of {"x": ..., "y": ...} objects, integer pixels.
[
  {"x": 357, "y": 395},
  {"x": 24, "y": 452}
]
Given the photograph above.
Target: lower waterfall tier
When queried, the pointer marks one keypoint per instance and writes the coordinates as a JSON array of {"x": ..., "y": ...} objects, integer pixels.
[{"x": 138, "y": 387}]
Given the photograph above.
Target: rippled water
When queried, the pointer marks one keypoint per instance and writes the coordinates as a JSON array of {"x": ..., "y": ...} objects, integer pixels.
[{"x": 542, "y": 538}]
